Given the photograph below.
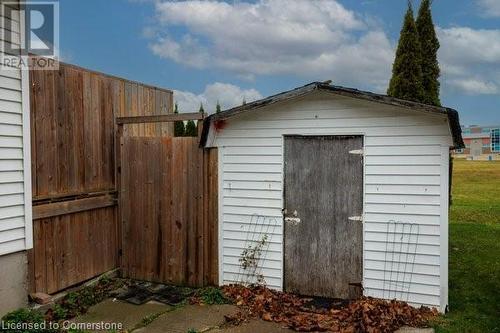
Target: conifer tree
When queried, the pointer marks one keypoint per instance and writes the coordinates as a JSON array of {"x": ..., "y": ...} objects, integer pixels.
[
  {"x": 178, "y": 125},
  {"x": 217, "y": 108},
  {"x": 191, "y": 129},
  {"x": 406, "y": 81},
  {"x": 430, "y": 45},
  {"x": 191, "y": 126}
]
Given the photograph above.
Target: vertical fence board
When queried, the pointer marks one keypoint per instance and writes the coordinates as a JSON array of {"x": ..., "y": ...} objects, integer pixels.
[
  {"x": 61, "y": 133},
  {"x": 39, "y": 259},
  {"x": 212, "y": 215}
]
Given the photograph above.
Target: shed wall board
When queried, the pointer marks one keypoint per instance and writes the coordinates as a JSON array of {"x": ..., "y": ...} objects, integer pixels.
[
  {"x": 15, "y": 159},
  {"x": 404, "y": 163}
]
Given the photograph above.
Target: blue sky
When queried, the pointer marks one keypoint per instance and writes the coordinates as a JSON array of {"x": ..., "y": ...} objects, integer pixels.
[{"x": 227, "y": 51}]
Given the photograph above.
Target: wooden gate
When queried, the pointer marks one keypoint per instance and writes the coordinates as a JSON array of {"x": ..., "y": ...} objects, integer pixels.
[
  {"x": 168, "y": 209},
  {"x": 324, "y": 203}
]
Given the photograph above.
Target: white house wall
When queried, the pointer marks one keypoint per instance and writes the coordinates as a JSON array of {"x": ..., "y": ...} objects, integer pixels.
[
  {"x": 15, "y": 178},
  {"x": 405, "y": 179}
]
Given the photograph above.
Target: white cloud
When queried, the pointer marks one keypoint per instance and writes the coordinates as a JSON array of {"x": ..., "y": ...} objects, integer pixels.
[
  {"x": 228, "y": 96},
  {"x": 474, "y": 86},
  {"x": 466, "y": 45},
  {"x": 186, "y": 51},
  {"x": 314, "y": 39},
  {"x": 470, "y": 59},
  {"x": 490, "y": 8}
]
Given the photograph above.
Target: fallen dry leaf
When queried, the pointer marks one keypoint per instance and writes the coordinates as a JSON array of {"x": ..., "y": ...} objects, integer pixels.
[{"x": 363, "y": 315}]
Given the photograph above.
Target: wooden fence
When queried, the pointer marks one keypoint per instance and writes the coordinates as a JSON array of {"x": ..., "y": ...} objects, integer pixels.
[
  {"x": 72, "y": 248},
  {"x": 73, "y": 111},
  {"x": 72, "y": 128},
  {"x": 168, "y": 209}
]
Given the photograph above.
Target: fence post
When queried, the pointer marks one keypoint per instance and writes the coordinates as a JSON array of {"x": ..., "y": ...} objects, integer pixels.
[{"x": 118, "y": 172}]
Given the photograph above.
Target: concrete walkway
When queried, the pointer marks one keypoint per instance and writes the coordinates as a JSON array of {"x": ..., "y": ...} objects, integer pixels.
[
  {"x": 155, "y": 317},
  {"x": 159, "y": 318}
]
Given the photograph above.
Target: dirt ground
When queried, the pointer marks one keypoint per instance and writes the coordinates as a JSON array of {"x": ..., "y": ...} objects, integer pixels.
[{"x": 156, "y": 317}]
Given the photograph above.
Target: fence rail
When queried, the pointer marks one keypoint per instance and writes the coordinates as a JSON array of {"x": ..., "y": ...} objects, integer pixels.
[{"x": 160, "y": 118}]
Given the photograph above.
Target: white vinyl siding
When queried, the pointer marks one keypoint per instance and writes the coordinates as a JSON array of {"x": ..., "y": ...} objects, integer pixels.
[
  {"x": 15, "y": 184},
  {"x": 403, "y": 181}
]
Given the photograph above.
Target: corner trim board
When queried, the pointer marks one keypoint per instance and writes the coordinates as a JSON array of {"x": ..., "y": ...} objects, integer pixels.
[{"x": 25, "y": 100}]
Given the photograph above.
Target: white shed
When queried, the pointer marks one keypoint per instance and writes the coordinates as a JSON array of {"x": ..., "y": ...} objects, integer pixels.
[{"x": 331, "y": 191}]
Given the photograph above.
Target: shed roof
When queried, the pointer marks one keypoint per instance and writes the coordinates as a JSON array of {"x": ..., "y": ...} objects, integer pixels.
[{"x": 452, "y": 114}]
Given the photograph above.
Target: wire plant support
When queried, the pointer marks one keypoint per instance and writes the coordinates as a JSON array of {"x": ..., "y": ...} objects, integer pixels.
[
  {"x": 400, "y": 252},
  {"x": 258, "y": 232}
]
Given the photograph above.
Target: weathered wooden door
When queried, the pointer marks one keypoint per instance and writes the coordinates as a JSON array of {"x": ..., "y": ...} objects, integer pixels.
[{"x": 323, "y": 209}]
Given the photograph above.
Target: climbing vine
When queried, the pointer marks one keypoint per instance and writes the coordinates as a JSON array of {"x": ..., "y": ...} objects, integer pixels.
[{"x": 250, "y": 257}]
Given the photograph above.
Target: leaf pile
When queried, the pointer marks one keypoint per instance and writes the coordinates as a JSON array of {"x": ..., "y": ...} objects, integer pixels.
[{"x": 362, "y": 315}]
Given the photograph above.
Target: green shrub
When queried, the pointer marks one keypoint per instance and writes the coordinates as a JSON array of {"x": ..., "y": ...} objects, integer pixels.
[
  {"x": 26, "y": 316},
  {"x": 212, "y": 295},
  {"x": 59, "y": 312},
  {"x": 77, "y": 302}
]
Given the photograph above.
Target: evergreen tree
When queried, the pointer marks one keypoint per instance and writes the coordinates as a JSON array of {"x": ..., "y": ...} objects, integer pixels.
[
  {"x": 430, "y": 45},
  {"x": 244, "y": 102},
  {"x": 178, "y": 125},
  {"x": 406, "y": 81},
  {"x": 191, "y": 129},
  {"x": 217, "y": 108},
  {"x": 201, "y": 110}
]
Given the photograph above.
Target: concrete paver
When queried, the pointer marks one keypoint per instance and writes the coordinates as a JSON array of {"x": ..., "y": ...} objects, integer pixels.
[
  {"x": 255, "y": 326},
  {"x": 415, "y": 330},
  {"x": 129, "y": 315},
  {"x": 197, "y": 317}
]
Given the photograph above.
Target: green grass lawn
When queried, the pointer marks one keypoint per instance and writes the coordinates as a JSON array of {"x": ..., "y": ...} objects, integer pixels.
[{"x": 474, "y": 261}]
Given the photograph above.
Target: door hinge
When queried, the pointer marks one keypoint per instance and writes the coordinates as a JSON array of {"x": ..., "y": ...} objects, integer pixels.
[
  {"x": 357, "y": 152},
  {"x": 356, "y": 218}
]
